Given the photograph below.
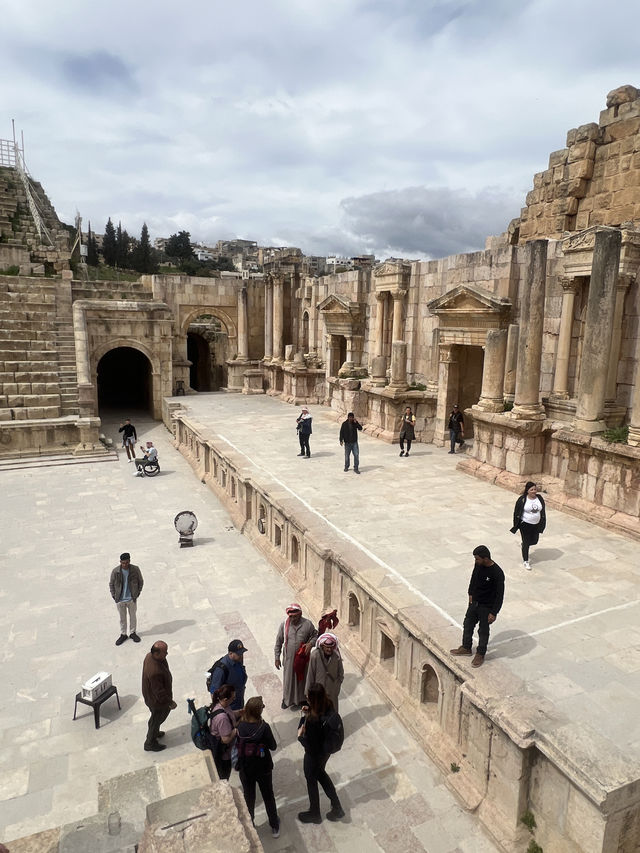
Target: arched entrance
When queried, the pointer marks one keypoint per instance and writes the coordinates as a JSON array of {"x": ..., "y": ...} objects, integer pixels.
[
  {"x": 124, "y": 380},
  {"x": 208, "y": 351}
]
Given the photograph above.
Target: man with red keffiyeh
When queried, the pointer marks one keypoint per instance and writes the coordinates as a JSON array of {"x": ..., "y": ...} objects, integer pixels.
[{"x": 295, "y": 638}]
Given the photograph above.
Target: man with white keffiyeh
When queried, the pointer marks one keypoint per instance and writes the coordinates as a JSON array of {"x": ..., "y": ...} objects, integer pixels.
[
  {"x": 296, "y": 635},
  {"x": 325, "y": 666}
]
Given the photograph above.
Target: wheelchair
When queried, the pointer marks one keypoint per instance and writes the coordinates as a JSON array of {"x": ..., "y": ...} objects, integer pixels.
[{"x": 150, "y": 468}]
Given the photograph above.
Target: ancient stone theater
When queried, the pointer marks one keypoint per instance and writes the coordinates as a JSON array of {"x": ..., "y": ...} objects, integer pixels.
[{"x": 536, "y": 338}]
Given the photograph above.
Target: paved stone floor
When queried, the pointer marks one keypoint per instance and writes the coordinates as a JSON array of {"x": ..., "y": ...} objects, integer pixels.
[
  {"x": 570, "y": 628},
  {"x": 63, "y": 529}
]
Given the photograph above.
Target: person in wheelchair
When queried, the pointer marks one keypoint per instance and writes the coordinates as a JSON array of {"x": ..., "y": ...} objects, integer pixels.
[{"x": 148, "y": 461}]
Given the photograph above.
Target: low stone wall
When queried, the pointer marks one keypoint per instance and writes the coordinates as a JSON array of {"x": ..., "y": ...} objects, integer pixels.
[
  {"x": 73, "y": 435},
  {"x": 503, "y": 750}
]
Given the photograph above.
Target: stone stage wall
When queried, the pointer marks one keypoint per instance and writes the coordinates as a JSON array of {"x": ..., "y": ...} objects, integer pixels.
[{"x": 513, "y": 750}]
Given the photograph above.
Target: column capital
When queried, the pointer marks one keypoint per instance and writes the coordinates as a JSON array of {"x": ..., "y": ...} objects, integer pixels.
[
  {"x": 568, "y": 283},
  {"x": 398, "y": 293},
  {"x": 447, "y": 354},
  {"x": 625, "y": 280}
]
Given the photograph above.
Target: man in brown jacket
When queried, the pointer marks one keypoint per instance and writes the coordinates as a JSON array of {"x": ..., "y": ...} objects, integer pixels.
[{"x": 157, "y": 691}]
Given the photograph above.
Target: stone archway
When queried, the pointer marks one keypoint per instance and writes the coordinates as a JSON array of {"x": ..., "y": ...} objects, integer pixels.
[
  {"x": 210, "y": 340},
  {"x": 124, "y": 380}
]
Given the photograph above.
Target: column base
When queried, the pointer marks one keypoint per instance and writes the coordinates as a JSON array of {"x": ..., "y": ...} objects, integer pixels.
[
  {"x": 634, "y": 436},
  {"x": 488, "y": 405},
  {"x": 533, "y": 412},
  {"x": 589, "y": 427}
]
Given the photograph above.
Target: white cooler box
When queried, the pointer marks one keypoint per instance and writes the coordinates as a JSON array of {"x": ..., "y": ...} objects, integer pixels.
[{"x": 96, "y": 686}]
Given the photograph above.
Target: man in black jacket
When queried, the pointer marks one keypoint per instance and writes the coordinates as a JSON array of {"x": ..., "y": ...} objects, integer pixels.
[
  {"x": 349, "y": 438},
  {"x": 486, "y": 593}
]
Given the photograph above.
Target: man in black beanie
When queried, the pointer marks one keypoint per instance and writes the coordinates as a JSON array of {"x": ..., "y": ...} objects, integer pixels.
[{"x": 486, "y": 593}]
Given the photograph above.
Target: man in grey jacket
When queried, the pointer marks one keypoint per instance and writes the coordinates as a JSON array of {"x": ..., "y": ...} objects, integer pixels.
[{"x": 125, "y": 585}]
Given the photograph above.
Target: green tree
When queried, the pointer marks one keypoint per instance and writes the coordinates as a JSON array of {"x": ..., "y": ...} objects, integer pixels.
[
  {"x": 123, "y": 246},
  {"x": 144, "y": 257},
  {"x": 92, "y": 249},
  {"x": 109, "y": 247},
  {"x": 179, "y": 246}
]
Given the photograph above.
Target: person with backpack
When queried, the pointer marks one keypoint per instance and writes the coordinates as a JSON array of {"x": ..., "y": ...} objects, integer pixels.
[
  {"x": 255, "y": 743},
  {"x": 230, "y": 670},
  {"x": 223, "y": 728},
  {"x": 321, "y": 733}
]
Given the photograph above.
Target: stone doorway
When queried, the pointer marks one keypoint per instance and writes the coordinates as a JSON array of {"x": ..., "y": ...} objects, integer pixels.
[
  {"x": 471, "y": 363},
  {"x": 124, "y": 380},
  {"x": 208, "y": 351}
]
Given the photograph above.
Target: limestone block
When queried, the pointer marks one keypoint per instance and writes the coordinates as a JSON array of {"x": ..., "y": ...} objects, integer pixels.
[
  {"x": 620, "y": 129},
  {"x": 580, "y": 169},
  {"x": 24, "y": 388},
  {"x": 577, "y": 187},
  {"x": 582, "y": 151},
  {"x": 14, "y": 401},
  {"x": 586, "y": 132},
  {"x": 35, "y": 413}
]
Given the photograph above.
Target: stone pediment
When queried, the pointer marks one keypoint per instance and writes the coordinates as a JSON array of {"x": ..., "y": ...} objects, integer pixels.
[
  {"x": 339, "y": 305},
  {"x": 392, "y": 275},
  {"x": 465, "y": 299}
]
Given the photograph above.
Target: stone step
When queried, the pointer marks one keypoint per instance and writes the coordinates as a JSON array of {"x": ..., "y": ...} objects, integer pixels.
[
  {"x": 33, "y": 461},
  {"x": 42, "y": 365},
  {"x": 29, "y": 413},
  {"x": 24, "y": 353}
]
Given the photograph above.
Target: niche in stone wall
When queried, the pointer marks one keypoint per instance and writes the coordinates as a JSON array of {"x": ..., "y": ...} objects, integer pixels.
[
  {"x": 387, "y": 651},
  {"x": 223, "y": 478},
  {"x": 277, "y": 535},
  {"x": 429, "y": 687},
  {"x": 295, "y": 551},
  {"x": 353, "y": 618},
  {"x": 233, "y": 488}
]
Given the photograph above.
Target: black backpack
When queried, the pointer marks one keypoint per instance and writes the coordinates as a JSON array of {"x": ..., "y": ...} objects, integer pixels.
[
  {"x": 333, "y": 731},
  {"x": 217, "y": 665}
]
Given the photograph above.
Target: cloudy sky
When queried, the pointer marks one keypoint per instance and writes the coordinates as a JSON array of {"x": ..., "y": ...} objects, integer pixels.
[{"x": 400, "y": 127}]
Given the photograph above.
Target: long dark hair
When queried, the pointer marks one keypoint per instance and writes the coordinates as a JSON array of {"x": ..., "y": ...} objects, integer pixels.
[
  {"x": 528, "y": 486},
  {"x": 319, "y": 702}
]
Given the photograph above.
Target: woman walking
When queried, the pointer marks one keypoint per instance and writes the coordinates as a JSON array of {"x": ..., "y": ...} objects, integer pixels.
[
  {"x": 317, "y": 725},
  {"x": 222, "y": 726},
  {"x": 255, "y": 744},
  {"x": 407, "y": 430},
  {"x": 529, "y": 517}
]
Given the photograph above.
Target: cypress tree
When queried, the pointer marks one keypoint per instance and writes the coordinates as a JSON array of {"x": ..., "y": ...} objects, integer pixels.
[{"x": 109, "y": 247}]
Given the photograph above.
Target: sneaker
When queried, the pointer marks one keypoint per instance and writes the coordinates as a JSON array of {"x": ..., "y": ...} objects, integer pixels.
[
  {"x": 451, "y": 451},
  {"x": 402, "y": 453},
  {"x": 121, "y": 639},
  {"x": 154, "y": 747},
  {"x": 308, "y": 456},
  {"x": 356, "y": 470},
  {"x": 478, "y": 660},
  {"x": 275, "y": 831},
  {"x": 129, "y": 460},
  {"x": 526, "y": 565},
  {"x": 336, "y": 813},
  {"x": 300, "y": 454},
  {"x": 461, "y": 650},
  {"x": 309, "y": 817},
  {"x": 135, "y": 637},
  {"x": 407, "y": 453},
  {"x": 346, "y": 469}
]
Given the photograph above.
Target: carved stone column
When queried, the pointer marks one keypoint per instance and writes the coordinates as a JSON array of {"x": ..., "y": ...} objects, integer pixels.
[
  {"x": 448, "y": 376},
  {"x": 598, "y": 330},
  {"x": 381, "y": 299},
  {"x": 527, "y": 397},
  {"x": 243, "y": 326},
  {"x": 561, "y": 376},
  {"x": 624, "y": 280},
  {"x": 398, "y": 315},
  {"x": 511, "y": 362},
  {"x": 398, "y": 365},
  {"x": 268, "y": 319},
  {"x": 333, "y": 355},
  {"x": 278, "y": 318},
  {"x": 495, "y": 351}
]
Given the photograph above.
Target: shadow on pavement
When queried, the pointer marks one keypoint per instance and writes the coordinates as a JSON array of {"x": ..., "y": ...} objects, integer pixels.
[
  {"x": 356, "y": 719},
  {"x": 512, "y": 644},
  {"x": 546, "y": 554},
  {"x": 170, "y": 627}
]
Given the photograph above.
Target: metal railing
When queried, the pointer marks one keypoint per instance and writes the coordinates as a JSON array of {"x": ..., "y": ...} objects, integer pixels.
[{"x": 12, "y": 156}]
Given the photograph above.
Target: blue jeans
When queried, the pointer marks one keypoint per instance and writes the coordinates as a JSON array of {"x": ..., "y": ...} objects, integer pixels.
[
  {"x": 455, "y": 435},
  {"x": 348, "y": 450}
]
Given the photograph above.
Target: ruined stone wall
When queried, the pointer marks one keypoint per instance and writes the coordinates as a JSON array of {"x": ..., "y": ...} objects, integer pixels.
[{"x": 594, "y": 180}]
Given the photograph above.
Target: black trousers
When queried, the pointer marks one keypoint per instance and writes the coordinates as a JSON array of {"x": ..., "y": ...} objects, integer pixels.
[
  {"x": 304, "y": 443},
  {"x": 315, "y": 773},
  {"x": 157, "y": 718},
  {"x": 265, "y": 783},
  {"x": 477, "y": 614},
  {"x": 530, "y": 536},
  {"x": 404, "y": 437},
  {"x": 223, "y": 766}
]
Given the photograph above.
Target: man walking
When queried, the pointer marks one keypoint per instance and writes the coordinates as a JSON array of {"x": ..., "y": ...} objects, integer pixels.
[
  {"x": 230, "y": 670},
  {"x": 456, "y": 428},
  {"x": 125, "y": 586},
  {"x": 486, "y": 593},
  {"x": 129, "y": 438},
  {"x": 157, "y": 691},
  {"x": 349, "y": 438},
  {"x": 294, "y": 640},
  {"x": 304, "y": 431}
]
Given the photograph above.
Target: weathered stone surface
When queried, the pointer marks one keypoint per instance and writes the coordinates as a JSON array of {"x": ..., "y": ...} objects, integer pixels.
[{"x": 622, "y": 95}]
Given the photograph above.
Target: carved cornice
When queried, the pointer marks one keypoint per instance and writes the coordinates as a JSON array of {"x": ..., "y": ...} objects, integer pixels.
[{"x": 568, "y": 283}]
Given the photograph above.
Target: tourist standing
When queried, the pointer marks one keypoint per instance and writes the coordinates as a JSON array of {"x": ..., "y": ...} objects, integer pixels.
[
  {"x": 255, "y": 744},
  {"x": 129, "y": 438},
  {"x": 316, "y": 724},
  {"x": 407, "y": 431},
  {"x": 294, "y": 641},
  {"x": 325, "y": 667},
  {"x": 230, "y": 669},
  {"x": 530, "y": 518},
  {"x": 456, "y": 428},
  {"x": 125, "y": 586},
  {"x": 486, "y": 593},
  {"x": 349, "y": 438},
  {"x": 157, "y": 691},
  {"x": 303, "y": 425},
  {"x": 222, "y": 725}
]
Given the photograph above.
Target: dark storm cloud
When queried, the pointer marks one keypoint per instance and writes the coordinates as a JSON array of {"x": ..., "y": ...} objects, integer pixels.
[
  {"x": 428, "y": 221},
  {"x": 98, "y": 72}
]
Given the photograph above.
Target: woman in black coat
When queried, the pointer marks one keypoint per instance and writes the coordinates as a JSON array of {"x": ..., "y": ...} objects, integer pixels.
[
  {"x": 529, "y": 517},
  {"x": 255, "y": 765}
]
